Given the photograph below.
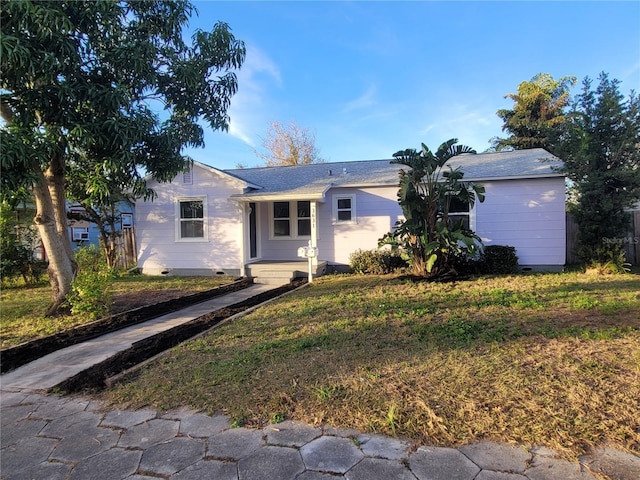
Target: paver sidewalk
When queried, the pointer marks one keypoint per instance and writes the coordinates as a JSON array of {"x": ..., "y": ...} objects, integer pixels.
[
  {"x": 73, "y": 438},
  {"x": 48, "y": 437}
]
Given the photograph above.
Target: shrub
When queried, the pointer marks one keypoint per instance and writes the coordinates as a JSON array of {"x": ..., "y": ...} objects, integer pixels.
[
  {"x": 17, "y": 259},
  {"x": 499, "y": 259},
  {"x": 91, "y": 291},
  {"x": 376, "y": 262}
]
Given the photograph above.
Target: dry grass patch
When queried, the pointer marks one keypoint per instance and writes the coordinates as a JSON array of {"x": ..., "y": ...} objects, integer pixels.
[
  {"x": 510, "y": 358},
  {"x": 22, "y": 308}
]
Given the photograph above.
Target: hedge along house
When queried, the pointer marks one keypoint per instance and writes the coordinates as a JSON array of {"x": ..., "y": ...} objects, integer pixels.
[{"x": 252, "y": 221}]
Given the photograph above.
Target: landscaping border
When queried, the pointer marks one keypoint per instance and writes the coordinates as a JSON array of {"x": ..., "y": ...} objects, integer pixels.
[
  {"x": 14, "y": 357},
  {"x": 96, "y": 376}
]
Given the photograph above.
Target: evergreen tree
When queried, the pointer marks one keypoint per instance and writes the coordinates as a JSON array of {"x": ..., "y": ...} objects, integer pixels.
[{"x": 600, "y": 146}]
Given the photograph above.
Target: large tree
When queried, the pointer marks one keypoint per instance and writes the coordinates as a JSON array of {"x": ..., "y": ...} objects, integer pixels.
[
  {"x": 537, "y": 113},
  {"x": 600, "y": 146},
  {"x": 428, "y": 189},
  {"x": 80, "y": 80},
  {"x": 289, "y": 144}
]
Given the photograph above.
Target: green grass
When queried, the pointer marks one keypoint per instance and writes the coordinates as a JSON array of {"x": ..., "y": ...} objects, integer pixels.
[
  {"x": 550, "y": 359},
  {"x": 22, "y": 309}
]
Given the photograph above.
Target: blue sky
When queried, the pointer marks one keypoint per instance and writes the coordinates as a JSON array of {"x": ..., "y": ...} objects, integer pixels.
[{"x": 372, "y": 78}]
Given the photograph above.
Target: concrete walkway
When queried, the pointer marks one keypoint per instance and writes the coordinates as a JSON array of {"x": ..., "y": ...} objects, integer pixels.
[
  {"x": 48, "y": 437},
  {"x": 50, "y": 370}
]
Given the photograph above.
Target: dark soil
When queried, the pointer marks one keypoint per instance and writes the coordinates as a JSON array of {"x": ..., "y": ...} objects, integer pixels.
[
  {"x": 98, "y": 376},
  {"x": 133, "y": 307}
]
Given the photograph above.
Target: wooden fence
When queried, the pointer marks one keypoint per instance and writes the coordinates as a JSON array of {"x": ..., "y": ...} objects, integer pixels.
[
  {"x": 631, "y": 241},
  {"x": 127, "y": 255}
]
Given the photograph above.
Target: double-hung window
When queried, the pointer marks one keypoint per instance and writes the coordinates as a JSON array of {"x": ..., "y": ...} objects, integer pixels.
[
  {"x": 344, "y": 209},
  {"x": 281, "y": 219},
  {"x": 459, "y": 211},
  {"x": 291, "y": 219},
  {"x": 191, "y": 216}
]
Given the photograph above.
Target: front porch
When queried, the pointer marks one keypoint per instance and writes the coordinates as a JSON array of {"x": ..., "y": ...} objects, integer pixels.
[{"x": 278, "y": 272}]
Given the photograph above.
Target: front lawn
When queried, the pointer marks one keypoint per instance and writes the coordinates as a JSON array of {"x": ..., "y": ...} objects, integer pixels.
[
  {"x": 22, "y": 308},
  {"x": 549, "y": 359}
]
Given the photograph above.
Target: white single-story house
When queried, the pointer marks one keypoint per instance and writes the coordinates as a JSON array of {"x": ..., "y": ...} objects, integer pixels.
[{"x": 209, "y": 221}]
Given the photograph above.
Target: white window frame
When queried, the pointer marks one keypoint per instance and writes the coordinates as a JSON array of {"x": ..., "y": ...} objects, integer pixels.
[
  {"x": 205, "y": 220},
  {"x": 336, "y": 199},
  {"x": 293, "y": 220},
  {"x": 471, "y": 214},
  {"x": 126, "y": 224},
  {"x": 80, "y": 234}
]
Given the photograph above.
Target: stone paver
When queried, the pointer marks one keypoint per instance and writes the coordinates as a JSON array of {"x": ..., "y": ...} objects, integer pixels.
[
  {"x": 616, "y": 464},
  {"x": 291, "y": 434},
  {"x": 234, "y": 444},
  {"x": 379, "y": 468},
  {"x": 199, "y": 425},
  {"x": 331, "y": 454},
  {"x": 491, "y": 475},
  {"x": 497, "y": 457},
  {"x": 172, "y": 456},
  {"x": 85, "y": 444},
  {"x": 114, "y": 464},
  {"x": 213, "y": 469},
  {"x": 437, "y": 463},
  {"x": 383, "y": 447},
  {"x": 126, "y": 419},
  {"x": 268, "y": 462},
  {"x": 149, "y": 433},
  {"x": 547, "y": 468}
]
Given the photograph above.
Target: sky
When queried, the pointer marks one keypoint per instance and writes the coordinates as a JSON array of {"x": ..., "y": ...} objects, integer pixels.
[{"x": 371, "y": 78}]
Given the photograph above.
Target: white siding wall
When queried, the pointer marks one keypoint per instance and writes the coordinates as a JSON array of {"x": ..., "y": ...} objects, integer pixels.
[
  {"x": 376, "y": 211},
  {"x": 528, "y": 215},
  {"x": 158, "y": 250}
]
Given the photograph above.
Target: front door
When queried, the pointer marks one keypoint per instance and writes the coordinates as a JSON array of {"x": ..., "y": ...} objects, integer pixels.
[{"x": 253, "y": 231}]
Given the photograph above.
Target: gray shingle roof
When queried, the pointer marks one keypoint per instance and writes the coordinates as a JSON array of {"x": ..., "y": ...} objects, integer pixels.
[{"x": 315, "y": 179}]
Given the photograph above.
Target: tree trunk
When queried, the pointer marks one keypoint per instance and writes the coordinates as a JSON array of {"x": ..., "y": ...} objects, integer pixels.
[{"x": 51, "y": 221}]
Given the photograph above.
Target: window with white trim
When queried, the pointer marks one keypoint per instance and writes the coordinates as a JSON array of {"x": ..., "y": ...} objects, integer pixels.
[
  {"x": 191, "y": 215},
  {"x": 344, "y": 209},
  {"x": 291, "y": 219},
  {"x": 459, "y": 211},
  {"x": 127, "y": 220},
  {"x": 80, "y": 233}
]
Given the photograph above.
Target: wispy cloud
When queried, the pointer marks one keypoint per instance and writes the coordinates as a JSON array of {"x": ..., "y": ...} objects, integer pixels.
[
  {"x": 249, "y": 106},
  {"x": 367, "y": 99},
  {"x": 471, "y": 125}
]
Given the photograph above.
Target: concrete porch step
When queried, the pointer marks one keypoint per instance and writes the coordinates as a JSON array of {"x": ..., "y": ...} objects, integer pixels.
[
  {"x": 273, "y": 277},
  {"x": 274, "y": 272}
]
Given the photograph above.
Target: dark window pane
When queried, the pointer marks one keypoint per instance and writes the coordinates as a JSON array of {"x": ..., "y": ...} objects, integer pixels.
[
  {"x": 281, "y": 228},
  {"x": 344, "y": 216},
  {"x": 344, "y": 203},
  {"x": 280, "y": 209},
  {"x": 304, "y": 209},
  {"x": 192, "y": 229},
  {"x": 304, "y": 228},
  {"x": 458, "y": 206},
  {"x": 453, "y": 219},
  {"x": 191, "y": 209}
]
